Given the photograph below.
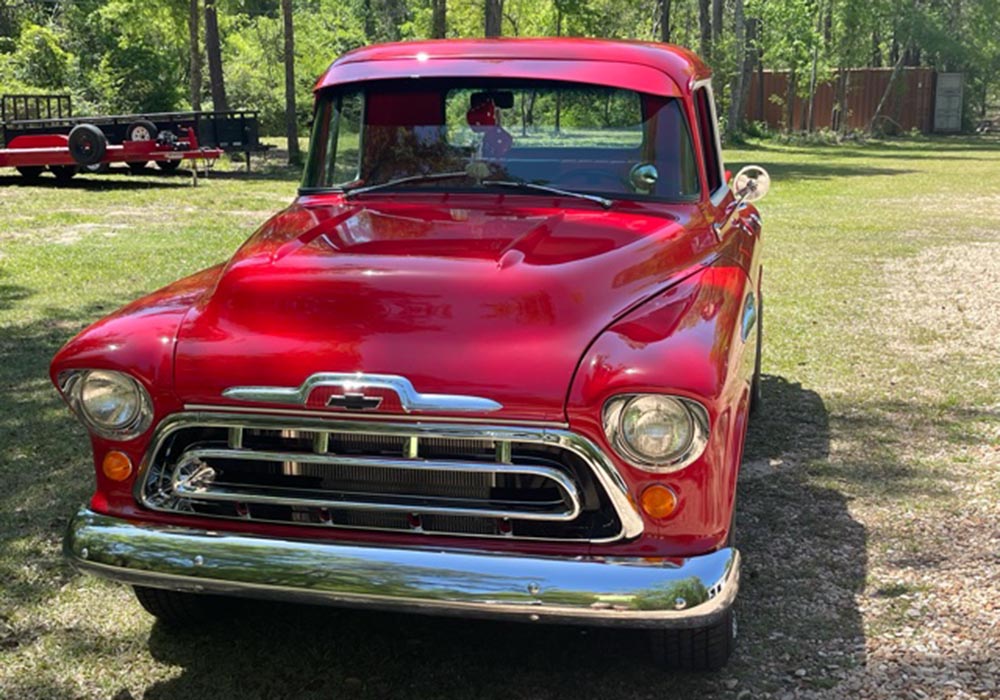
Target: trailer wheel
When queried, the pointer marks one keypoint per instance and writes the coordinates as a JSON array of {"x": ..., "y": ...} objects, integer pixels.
[
  {"x": 63, "y": 173},
  {"x": 30, "y": 172},
  {"x": 87, "y": 144},
  {"x": 141, "y": 130},
  {"x": 97, "y": 168},
  {"x": 168, "y": 166}
]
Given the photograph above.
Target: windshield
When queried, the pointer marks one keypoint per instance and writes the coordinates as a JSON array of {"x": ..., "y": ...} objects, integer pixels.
[{"x": 466, "y": 135}]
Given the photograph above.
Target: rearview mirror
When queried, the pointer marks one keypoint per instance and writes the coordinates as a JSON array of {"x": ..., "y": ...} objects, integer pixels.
[
  {"x": 502, "y": 99},
  {"x": 751, "y": 183}
]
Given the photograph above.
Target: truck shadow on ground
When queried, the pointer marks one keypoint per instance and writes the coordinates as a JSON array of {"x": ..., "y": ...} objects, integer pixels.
[{"x": 804, "y": 563}]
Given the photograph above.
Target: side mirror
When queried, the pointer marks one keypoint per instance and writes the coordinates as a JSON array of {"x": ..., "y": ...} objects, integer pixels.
[
  {"x": 751, "y": 183},
  {"x": 643, "y": 177}
]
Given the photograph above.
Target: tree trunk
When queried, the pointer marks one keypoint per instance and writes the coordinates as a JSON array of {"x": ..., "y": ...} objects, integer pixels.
[
  {"x": 705, "y": 24},
  {"x": 214, "y": 50},
  {"x": 876, "y": 50},
  {"x": 439, "y": 16},
  {"x": 845, "y": 86},
  {"x": 790, "y": 103},
  {"x": 760, "y": 88},
  {"x": 195, "y": 32},
  {"x": 494, "y": 17},
  {"x": 717, "y": 7},
  {"x": 291, "y": 116},
  {"x": 746, "y": 35},
  {"x": 734, "y": 123},
  {"x": 665, "y": 21},
  {"x": 888, "y": 90}
]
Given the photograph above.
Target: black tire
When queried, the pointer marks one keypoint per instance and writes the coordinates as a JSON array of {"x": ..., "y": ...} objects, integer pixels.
[
  {"x": 756, "y": 390},
  {"x": 87, "y": 144},
  {"x": 168, "y": 166},
  {"x": 30, "y": 172},
  {"x": 137, "y": 166},
  {"x": 700, "y": 649},
  {"x": 141, "y": 130},
  {"x": 63, "y": 173},
  {"x": 177, "y": 609}
]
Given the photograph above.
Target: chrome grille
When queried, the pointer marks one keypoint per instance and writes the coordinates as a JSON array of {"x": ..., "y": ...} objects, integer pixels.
[{"x": 415, "y": 478}]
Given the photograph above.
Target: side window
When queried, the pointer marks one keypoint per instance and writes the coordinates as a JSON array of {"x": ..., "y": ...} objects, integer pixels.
[
  {"x": 345, "y": 152},
  {"x": 709, "y": 143}
]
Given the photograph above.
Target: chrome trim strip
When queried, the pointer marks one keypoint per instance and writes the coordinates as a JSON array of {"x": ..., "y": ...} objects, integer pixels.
[
  {"x": 373, "y": 417},
  {"x": 409, "y": 398},
  {"x": 749, "y": 318},
  {"x": 627, "y": 592},
  {"x": 230, "y": 493},
  {"x": 603, "y": 469}
]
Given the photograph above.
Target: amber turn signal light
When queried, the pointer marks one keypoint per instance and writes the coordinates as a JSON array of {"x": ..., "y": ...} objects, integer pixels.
[
  {"x": 116, "y": 466},
  {"x": 658, "y": 501}
]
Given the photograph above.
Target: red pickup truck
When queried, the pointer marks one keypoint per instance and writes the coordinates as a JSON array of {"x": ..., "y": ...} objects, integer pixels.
[{"x": 497, "y": 359}]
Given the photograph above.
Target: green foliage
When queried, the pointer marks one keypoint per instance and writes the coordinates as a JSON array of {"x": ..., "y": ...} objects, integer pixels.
[
  {"x": 40, "y": 60},
  {"x": 133, "y": 55}
]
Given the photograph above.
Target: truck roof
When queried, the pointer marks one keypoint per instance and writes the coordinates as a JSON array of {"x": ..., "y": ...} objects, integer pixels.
[{"x": 660, "y": 69}]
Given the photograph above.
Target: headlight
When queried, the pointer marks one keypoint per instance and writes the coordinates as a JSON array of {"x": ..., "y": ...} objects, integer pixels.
[
  {"x": 111, "y": 404},
  {"x": 655, "y": 432}
]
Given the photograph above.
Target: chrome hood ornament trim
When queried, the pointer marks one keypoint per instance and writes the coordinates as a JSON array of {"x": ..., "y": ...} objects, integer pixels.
[{"x": 410, "y": 399}]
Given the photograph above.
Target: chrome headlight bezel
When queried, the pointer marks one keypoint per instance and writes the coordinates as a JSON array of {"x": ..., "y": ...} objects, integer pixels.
[
  {"x": 694, "y": 412},
  {"x": 140, "y": 416}
]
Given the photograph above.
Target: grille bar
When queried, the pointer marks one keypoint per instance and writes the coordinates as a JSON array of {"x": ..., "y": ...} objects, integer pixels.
[{"x": 194, "y": 477}]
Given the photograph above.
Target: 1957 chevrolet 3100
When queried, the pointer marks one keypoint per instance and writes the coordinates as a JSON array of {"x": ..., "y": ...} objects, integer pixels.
[{"x": 496, "y": 360}]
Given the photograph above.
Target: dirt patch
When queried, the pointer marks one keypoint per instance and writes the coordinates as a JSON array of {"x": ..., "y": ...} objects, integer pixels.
[{"x": 943, "y": 302}]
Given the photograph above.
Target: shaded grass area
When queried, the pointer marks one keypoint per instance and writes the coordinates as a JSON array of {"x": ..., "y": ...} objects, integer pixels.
[{"x": 856, "y": 432}]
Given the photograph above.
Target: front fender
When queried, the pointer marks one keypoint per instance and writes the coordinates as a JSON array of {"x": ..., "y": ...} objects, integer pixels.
[{"x": 688, "y": 342}]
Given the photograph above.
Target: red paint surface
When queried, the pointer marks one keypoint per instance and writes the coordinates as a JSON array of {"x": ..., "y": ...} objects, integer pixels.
[{"x": 651, "y": 68}]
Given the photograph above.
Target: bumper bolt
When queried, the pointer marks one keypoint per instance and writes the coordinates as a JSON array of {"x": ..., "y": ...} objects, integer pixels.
[
  {"x": 199, "y": 560},
  {"x": 534, "y": 588},
  {"x": 84, "y": 553},
  {"x": 680, "y": 604}
]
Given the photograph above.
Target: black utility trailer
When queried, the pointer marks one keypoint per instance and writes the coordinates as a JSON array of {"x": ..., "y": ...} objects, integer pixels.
[{"x": 233, "y": 131}]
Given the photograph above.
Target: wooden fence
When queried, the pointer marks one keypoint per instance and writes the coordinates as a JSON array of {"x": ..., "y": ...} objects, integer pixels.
[{"x": 910, "y": 104}]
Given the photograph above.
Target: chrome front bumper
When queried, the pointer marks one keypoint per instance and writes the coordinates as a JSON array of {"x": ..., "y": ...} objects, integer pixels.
[{"x": 632, "y": 592}]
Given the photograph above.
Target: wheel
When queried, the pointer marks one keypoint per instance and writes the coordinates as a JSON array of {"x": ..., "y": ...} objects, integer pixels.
[
  {"x": 137, "y": 166},
  {"x": 700, "y": 649},
  {"x": 63, "y": 173},
  {"x": 756, "y": 390},
  {"x": 141, "y": 130},
  {"x": 168, "y": 166},
  {"x": 96, "y": 168},
  {"x": 178, "y": 609},
  {"x": 87, "y": 144},
  {"x": 30, "y": 172}
]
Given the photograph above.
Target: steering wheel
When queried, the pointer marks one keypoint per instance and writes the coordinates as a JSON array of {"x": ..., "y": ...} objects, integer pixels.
[{"x": 588, "y": 176}]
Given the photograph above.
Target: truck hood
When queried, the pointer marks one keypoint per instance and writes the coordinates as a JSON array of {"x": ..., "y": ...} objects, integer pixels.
[{"x": 498, "y": 303}]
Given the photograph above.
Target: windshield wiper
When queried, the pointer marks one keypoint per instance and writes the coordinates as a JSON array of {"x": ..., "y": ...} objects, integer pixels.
[
  {"x": 525, "y": 185},
  {"x": 426, "y": 177}
]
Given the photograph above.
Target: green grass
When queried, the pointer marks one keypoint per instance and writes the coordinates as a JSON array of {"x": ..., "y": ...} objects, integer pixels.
[{"x": 877, "y": 408}]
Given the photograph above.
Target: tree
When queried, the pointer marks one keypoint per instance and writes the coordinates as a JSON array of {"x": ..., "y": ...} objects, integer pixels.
[
  {"x": 291, "y": 116},
  {"x": 493, "y": 18},
  {"x": 439, "y": 19},
  {"x": 664, "y": 18},
  {"x": 705, "y": 24},
  {"x": 214, "y": 50},
  {"x": 195, "y": 61}
]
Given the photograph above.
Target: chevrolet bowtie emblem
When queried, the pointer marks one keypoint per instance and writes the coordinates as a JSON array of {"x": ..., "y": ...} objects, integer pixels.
[{"x": 355, "y": 402}]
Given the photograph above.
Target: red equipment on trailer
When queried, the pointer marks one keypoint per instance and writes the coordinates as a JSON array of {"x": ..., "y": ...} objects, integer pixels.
[{"x": 86, "y": 145}]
